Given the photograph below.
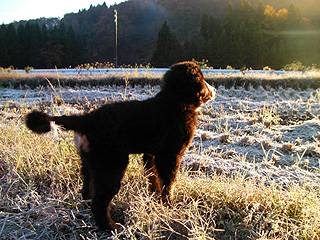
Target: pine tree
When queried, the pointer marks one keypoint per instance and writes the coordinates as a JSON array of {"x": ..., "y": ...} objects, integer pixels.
[
  {"x": 223, "y": 57},
  {"x": 214, "y": 27},
  {"x": 3, "y": 46},
  {"x": 240, "y": 46},
  {"x": 168, "y": 49},
  {"x": 73, "y": 48},
  {"x": 229, "y": 20},
  {"x": 35, "y": 45},
  {"x": 260, "y": 11},
  {"x": 294, "y": 17},
  {"x": 22, "y": 46},
  {"x": 12, "y": 43},
  {"x": 204, "y": 28},
  {"x": 190, "y": 50}
]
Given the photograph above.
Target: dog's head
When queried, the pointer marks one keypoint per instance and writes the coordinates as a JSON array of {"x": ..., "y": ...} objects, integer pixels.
[{"x": 188, "y": 84}]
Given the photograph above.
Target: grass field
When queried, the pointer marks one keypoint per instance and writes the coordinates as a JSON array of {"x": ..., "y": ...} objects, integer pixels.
[{"x": 251, "y": 173}]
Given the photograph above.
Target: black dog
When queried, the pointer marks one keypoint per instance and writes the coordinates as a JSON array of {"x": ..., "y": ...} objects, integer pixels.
[{"x": 161, "y": 127}]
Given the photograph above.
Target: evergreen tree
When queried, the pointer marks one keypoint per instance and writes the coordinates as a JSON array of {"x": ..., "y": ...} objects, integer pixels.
[
  {"x": 203, "y": 48},
  {"x": 190, "y": 50},
  {"x": 168, "y": 49},
  {"x": 260, "y": 11},
  {"x": 244, "y": 11},
  {"x": 44, "y": 35},
  {"x": 223, "y": 57},
  {"x": 34, "y": 47},
  {"x": 12, "y": 44},
  {"x": 256, "y": 46},
  {"x": 22, "y": 46},
  {"x": 214, "y": 27},
  {"x": 241, "y": 47},
  {"x": 3, "y": 46},
  {"x": 229, "y": 20},
  {"x": 204, "y": 28},
  {"x": 73, "y": 48},
  {"x": 294, "y": 17}
]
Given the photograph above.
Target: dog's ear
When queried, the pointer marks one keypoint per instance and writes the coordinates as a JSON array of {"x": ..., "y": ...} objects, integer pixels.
[
  {"x": 174, "y": 77},
  {"x": 180, "y": 69},
  {"x": 183, "y": 73},
  {"x": 180, "y": 72}
]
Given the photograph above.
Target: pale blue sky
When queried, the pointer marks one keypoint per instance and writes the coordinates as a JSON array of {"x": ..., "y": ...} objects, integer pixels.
[{"x": 15, "y": 10}]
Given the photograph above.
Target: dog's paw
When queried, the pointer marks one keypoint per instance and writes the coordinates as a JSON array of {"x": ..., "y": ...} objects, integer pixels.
[{"x": 166, "y": 197}]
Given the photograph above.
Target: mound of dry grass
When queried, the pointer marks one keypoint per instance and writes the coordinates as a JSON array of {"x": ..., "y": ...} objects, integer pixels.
[{"x": 39, "y": 198}]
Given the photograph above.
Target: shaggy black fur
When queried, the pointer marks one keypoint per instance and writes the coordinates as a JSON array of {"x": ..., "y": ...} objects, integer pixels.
[{"x": 161, "y": 127}]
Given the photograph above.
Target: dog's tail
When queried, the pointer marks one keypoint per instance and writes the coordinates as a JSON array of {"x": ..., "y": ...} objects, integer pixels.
[{"x": 40, "y": 122}]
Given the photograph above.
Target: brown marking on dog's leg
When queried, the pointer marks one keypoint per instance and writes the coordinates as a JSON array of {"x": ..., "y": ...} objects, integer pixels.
[
  {"x": 112, "y": 224},
  {"x": 82, "y": 143},
  {"x": 151, "y": 173},
  {"x": 154, "y": 185}
]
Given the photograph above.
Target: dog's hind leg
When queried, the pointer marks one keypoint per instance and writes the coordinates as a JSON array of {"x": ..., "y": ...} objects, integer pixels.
[
  {"x": 83, "y": 149},
  {"x": 151, "y": 173},
  {"x": 167, "y": 167},
  {"x": 107, "y": 175},
  {"x": 88, "y": 188}
]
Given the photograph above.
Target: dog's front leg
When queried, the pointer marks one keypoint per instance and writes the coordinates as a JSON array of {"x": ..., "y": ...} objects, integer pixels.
[
  {"x": 167, "y": 167},
  {"x": 101, "y": 213},
  {"x": 151, "y": 173}
]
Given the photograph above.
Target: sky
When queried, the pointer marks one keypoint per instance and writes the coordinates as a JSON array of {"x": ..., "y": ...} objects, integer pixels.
[{"x": 16, "y": 10}]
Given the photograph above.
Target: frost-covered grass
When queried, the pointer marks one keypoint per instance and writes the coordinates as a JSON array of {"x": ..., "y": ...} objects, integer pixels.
[
  {"x": 15, "y": 80},
  {"x": 252, "y": 171},
  {"x": 40, "y": 199},
  {"x": 296, "y": 80}
]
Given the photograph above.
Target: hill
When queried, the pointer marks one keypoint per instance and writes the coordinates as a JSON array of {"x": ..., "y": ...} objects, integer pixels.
[{"x": 139, "y": 22}]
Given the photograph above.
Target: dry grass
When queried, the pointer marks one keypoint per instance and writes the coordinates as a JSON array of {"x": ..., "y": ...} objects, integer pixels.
[
  {"x": 39, "y": 197},
  {"x": 245, "y": 79},
  {"x": 16, "y": 80}
]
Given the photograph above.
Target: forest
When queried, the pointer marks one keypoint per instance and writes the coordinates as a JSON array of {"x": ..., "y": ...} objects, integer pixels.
[
  {"x": 240, "y": 33},
  {"x": 30, "y": 45},
  {"x": 249, "y": 36}
]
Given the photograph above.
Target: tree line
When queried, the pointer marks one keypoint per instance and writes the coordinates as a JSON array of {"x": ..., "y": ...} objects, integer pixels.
[
  {"x": 28, "y": 45},
  {"x": 238, "y": 34},
  {"x": 249, "y": 36}
]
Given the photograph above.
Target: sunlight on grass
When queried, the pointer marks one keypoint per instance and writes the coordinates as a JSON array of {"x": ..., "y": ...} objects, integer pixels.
[{"x": 40, "y": 183}]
